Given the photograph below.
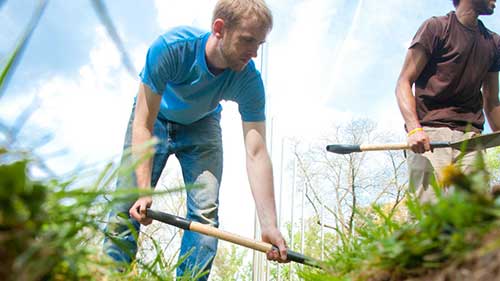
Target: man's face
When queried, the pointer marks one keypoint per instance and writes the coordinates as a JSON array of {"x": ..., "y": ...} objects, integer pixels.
[
  {"x": 240, "y": 44},
  {"x": 484, "y": 7}
]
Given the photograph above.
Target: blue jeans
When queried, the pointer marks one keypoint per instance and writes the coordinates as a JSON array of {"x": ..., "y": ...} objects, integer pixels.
[{"x": 198, "y": 147}]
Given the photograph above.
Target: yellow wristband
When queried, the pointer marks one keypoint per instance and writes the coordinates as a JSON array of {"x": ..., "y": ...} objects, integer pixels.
[{"x": 414, "y": 131}]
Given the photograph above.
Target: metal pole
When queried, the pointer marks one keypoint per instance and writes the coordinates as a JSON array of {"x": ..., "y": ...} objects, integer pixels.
[
  {"x": 270, "y": 141},
  {"x": 268, "y": 269},
  {"x": 339, "y": 241},
  {"x": 278, "y": 271},
  {"x": 292, "y": 220},
  {"x": 257, "y": 257}
]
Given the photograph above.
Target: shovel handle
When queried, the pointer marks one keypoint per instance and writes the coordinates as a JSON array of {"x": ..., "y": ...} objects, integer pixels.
[
  {"x": 226, "y": 236},
  {"x": 350, "y": 148},
  {"x": 250, "y": 243}
]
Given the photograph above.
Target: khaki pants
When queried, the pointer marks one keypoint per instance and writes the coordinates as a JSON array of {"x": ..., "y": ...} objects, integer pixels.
[{"x": 423, "y": 168}]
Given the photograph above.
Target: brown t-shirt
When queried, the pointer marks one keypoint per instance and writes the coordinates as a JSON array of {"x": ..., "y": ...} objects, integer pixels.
[{"x": 448, "y": 91}]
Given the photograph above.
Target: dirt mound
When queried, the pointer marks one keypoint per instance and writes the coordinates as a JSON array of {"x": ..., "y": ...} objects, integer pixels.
[{"x": 480, "y": 265}]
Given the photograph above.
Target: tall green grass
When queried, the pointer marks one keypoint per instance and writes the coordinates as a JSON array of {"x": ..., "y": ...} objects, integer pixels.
[
  {"x": 11, "y": 61},
  {"x": 432, "y": 235},
  {"x": 52, "y": 229}
]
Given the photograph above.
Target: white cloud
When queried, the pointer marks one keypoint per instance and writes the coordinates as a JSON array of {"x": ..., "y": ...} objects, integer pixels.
[
  {"x": 86, "y": 115},
  {"x": 188, "y": 12},
  {"x": 299, "y": 69}
]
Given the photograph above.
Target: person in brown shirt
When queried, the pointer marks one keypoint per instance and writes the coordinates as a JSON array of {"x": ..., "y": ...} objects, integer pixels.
[{"x": 453, "y": 63}]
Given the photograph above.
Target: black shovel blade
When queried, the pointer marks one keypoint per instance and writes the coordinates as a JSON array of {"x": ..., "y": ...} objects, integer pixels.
[{"x": 478, "y": 143}]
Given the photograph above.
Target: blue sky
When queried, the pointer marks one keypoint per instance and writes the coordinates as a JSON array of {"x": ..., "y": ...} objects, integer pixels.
[{"x": 327, "y": 61}]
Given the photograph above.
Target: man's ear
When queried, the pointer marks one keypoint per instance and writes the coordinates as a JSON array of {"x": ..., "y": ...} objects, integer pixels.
[{"x": 218, "y": 28}]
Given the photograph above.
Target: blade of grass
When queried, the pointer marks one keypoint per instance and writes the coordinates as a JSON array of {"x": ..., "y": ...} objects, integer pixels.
[
  {"x": 14, "y": 58},
  {"x": 104, "y": 17}
]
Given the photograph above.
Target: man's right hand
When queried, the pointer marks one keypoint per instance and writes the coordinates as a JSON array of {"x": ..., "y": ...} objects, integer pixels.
[
  {"x": 273, "y": 236},
  {"x": 419, "y": 142},
  {"x": 138, "y": 210}
]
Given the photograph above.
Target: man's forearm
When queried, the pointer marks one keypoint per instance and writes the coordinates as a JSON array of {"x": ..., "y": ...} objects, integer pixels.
[
  {"x": 146, "y": 111},
  {"x": 491, "y": 101},
  {"x": 140, "y": 136},
  {"x": 260, "y": 175},
  {"x": 407, "y": 106},
  {"x": 493, "y": 116}
]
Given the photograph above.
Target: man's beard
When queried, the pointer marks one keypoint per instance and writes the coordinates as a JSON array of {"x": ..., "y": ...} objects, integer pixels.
[
  {"x": 233, "y": 64},
  {"x": 486, "y": 11},
  {"x": 484, "y": 8}
]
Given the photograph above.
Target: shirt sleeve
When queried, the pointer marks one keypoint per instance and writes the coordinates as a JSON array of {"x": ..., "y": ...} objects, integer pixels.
[
  {"x": 495, "y": 67},
  {"x": 428, "y": 36},
  {"x": 159, "y": 67},
  {"x": 252, "y": 99}
]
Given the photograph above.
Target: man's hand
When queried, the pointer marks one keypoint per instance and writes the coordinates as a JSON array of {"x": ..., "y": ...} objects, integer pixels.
[
  {"x": 273, "y": 236},
  {"x": 419, "y": 142},
  {"x": 138, "y": 210}
]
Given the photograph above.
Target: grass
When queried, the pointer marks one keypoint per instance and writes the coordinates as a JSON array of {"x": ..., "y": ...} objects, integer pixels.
[
  {"x": 52, "y": 229},
  {"x": 433, "y": 235},
  {"x": 10, "y": 63}
]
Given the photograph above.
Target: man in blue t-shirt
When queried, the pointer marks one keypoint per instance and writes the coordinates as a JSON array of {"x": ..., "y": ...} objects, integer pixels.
[{"x": 186, "y": 74}]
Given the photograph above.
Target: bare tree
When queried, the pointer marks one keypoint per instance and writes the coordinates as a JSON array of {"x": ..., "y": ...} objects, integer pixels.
[{"x": 341, "y": 184}]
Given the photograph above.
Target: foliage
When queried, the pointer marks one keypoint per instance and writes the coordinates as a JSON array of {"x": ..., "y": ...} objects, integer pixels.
[
  {"x": 229, "y": 264},
  {"x": 433, "y": 234},
  {"x": 44, "y": 227},
  {"x": 52, "y": 230},
  {"x": 493, "y": 161}
]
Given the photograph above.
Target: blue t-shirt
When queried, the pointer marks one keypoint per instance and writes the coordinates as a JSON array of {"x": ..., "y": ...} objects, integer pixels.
[{"x": 176, "y": 68}]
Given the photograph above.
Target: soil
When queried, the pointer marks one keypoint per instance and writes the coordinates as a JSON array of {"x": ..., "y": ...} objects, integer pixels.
[{"x": 482, "y": 264}]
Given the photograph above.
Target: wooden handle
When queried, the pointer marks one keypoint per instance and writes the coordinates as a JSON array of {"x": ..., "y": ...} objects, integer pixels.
[
  {"x": 230, "y": 237},
  {"x": 250, "y": 243},
  {"x": 390, "y": 146},
  {"x": 350, "y": 148}
]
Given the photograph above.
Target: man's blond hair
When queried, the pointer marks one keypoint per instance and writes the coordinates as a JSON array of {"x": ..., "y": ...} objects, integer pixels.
[{"x": 234, "y": 11}]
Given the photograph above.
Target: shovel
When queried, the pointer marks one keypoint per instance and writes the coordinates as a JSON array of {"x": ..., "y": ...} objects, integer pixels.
[
  {"x": 226, "y": 236},
  {"x": 472, "y": 144}
]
